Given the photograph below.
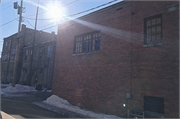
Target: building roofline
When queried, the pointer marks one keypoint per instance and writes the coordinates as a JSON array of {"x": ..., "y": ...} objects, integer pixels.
[
  {"x": 105, "y": 8},
  {"x": 10, "y": 36},
  {"x": 97, "y": 11},
  {"x": 28, "y": 29}
]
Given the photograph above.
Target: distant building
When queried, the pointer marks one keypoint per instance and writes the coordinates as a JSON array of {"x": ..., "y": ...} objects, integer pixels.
[
  {"x": 0, "y": 67},
  {"x": 123, "y": 57},
  {"x": 43, "y": 58}
]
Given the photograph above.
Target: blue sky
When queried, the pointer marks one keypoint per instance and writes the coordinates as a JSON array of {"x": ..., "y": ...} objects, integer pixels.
[{"x": 9, "y": 17}]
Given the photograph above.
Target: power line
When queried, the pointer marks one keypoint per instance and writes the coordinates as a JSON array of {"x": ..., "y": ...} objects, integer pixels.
[
  {"x": 8, "y": 22},
  {"x": 68, "y": 15},
  {"x": 62, "y": 6},
  {"x": 29, "y": 23},
  {"x": 6, "y": 7},
  {"x": 7, "y": 3},
  {"x": 79, "y": 12}
]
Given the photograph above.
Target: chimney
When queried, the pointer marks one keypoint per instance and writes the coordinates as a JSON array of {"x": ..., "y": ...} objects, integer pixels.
[
  {"x": 53, "y": 35},
  {"x": 23, "y": 27}
]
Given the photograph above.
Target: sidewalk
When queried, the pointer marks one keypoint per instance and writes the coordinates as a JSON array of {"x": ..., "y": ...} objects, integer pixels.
[
  {"x": 61, "y": 111},
  {"x": 74, "y": 113},
  {"x": 3, "y": 115}
]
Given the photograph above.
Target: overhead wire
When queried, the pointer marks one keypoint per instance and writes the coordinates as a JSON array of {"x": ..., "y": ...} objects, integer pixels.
[
  {"x": 83, "y": 12},
  {"x": 46, "y": 12},
  {"x": 6, "y": 7},
  {"x": 62, "y": 6},
  {"x": 7, "y": 3},
  {"x": 68, "y": 15},
  {"x": 79, "y": 12},
  {"x": 29, "y": 23},
  {"x": 8, "y": 22}
]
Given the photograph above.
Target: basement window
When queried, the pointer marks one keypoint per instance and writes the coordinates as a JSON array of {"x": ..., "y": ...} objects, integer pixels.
[
  {"x": 154, "y": 104},
  {"x": 87, "y": 43},
  {"x": 153, "y": 31}
]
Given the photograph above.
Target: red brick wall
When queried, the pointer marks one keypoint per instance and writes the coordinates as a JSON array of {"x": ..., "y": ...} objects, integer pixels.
[
  {"x": 155, "y": 69},
  {"x": 101, "y": 80}
]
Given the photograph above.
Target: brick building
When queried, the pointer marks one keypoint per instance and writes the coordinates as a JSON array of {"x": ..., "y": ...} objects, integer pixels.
[
  {"x": 122, "y": 57},
  {"x": 7, "y": 58},
  {"x": 42, "y": 62}
]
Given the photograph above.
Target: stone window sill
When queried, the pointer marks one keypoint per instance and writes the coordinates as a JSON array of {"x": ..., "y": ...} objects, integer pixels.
[
  {"x": 86, "y": 53},
  {"x": 153, "y": 45}
]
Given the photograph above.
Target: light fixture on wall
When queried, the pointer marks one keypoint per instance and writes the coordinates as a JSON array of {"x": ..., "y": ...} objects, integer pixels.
[{"x": 128, "y": 95}]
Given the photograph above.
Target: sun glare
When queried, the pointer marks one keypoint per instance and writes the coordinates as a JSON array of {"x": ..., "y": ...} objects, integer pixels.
[{"x": 57, "y": 12}]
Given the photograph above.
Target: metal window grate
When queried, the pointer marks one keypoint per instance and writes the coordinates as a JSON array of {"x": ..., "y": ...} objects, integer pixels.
[{"x": 154, "y": 104}]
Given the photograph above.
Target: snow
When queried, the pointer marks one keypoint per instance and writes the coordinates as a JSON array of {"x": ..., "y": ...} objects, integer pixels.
[
  {"x": 64, "y": 104},
  {"x": 53, "y": 100},
  {"x": 17, "y": 88},
  {"x": 6, "y": 84}
]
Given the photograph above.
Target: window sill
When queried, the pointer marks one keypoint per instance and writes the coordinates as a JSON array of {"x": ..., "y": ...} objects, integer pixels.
[
  {"x": 153, "y": 45},
  {"x": 85, "y": 53}
]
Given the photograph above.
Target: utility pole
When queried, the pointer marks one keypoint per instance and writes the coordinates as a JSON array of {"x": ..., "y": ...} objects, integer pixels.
[
  {"x": 18, "y": 41},
  {"x": 31, "y": 69}
]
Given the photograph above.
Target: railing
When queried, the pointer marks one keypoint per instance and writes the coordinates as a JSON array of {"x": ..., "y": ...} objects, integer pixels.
[{"x": 136, "y": 114}]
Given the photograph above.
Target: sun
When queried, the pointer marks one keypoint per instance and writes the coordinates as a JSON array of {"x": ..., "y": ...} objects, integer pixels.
[{"x": 56, "y": 12}]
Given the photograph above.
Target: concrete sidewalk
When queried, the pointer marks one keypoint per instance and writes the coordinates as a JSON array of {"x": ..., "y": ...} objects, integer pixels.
[
  {"x": 5, "y": 116},
  {"x": 68, "y": 113}
]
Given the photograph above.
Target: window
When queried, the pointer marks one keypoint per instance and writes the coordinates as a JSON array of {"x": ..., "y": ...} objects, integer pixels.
[
  {"x": 87, "y": 43},
  {"x": 49, "y": 51},
  {"x": 26, "y": 55},
  {"x": 13, "y": 52},
  {"x": 153, "y": 30},
  {"x": 6, "y": 43},
  {"x": 24, "y": 70},
  {"x": 154, "y": 104}
]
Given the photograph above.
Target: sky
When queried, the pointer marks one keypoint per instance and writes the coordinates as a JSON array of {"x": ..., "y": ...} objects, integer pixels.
[{"x": 50, "y": 14}]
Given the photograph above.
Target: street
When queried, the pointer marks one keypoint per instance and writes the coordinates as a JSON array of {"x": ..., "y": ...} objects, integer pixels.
[{"x": 19, "y": 107}]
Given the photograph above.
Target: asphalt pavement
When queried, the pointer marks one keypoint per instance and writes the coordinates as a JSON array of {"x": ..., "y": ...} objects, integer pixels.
[{"x": 22, "y": 107}]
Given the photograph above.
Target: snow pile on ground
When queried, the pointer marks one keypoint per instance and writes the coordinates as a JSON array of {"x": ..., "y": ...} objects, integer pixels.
[
  {"x": 45, "y": 90},
  {"x": 5, "y": 85},
  {"x": 17, "y": 88},
  {"x": 64, "y": 104}
]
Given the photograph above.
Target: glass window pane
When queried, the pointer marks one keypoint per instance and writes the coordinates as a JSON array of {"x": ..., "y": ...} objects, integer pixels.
[
  {"x": 153, "y": 21},
  {"x": 158, "y": 37},
  {"x": 158, "y": 29},
  {"x": 149, "y": 31},
  {"x": 148, "y": 39},
  {"x": 153, "y": 30},
  {"x": 96, "y": 34},
  {"x": 158, "y": 21},
  {"x": 148, "y": 23},
  {"x": 153, "y": 38}
]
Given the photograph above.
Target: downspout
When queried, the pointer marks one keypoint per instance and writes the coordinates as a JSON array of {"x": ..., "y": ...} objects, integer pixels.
[
  {"x": 131, "y": 13},
  {"x": 53, "y": 60}
]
